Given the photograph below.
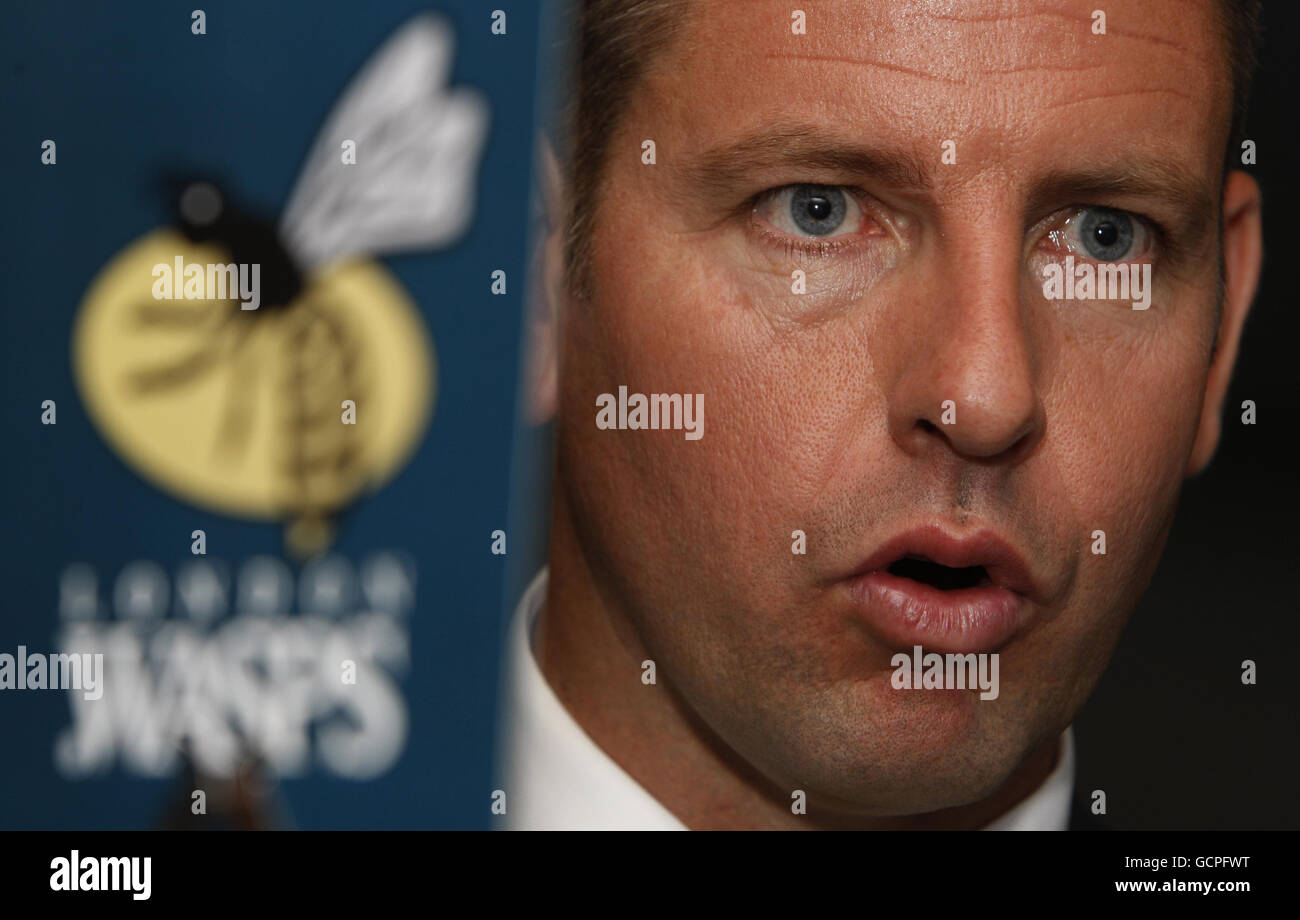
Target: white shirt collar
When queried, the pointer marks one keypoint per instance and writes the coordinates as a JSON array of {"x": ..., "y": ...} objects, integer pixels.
[
  {"x": 556, "y": 778},
  {"x": 1047, "y": 808}
]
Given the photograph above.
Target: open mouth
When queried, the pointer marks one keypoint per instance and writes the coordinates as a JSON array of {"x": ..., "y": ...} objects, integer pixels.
[
  {"x": 949, "y": 594},
  {"x": 944, "y": 577}
]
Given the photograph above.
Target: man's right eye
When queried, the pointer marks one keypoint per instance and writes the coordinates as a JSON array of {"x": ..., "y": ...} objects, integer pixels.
[{"x": 811, "y": 211}]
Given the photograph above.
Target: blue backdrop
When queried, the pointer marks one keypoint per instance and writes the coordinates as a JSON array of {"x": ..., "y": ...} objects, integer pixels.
[{"x": 128, "y": 91}]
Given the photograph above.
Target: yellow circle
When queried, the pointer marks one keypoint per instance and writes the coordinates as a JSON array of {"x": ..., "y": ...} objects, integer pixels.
[{"x": 258, "y": 413}]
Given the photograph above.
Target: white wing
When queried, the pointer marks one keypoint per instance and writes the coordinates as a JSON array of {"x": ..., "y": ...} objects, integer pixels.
[{"x": 418, "y": 145}]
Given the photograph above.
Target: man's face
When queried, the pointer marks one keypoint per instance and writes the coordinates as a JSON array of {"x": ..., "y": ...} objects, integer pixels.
[{"x": 824, "y": 411}]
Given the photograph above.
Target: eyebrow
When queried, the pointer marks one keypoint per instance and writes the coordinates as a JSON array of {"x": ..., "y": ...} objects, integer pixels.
[{"x": 805, "y": 146}]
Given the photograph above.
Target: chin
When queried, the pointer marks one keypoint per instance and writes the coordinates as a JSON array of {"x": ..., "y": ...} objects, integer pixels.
[{"x": 876, "y": 752}]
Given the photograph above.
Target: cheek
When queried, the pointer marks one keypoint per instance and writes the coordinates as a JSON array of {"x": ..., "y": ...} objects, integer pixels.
[
  {"x": 779, "y": 402},
  {"x": 667, "y": 320},
  {"x": 670, "y": 321},
  {"x": 1122, "y": 417}
]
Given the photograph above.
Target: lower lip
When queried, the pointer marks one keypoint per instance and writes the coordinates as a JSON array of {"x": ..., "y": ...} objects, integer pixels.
[{"x": 906, "y": 613}]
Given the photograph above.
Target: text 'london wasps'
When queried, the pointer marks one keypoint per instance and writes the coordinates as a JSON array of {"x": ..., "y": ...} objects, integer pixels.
[{"x": 304, "y": 673}]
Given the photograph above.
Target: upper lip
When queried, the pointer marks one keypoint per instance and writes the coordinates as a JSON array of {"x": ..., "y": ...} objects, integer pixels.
[{"x": 1005, "y": 565}]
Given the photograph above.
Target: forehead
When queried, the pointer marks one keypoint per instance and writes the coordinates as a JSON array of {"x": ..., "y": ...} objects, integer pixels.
[{"x": 1011, "y": 85}]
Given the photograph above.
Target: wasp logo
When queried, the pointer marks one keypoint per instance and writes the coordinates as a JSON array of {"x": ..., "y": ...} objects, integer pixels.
[{"x": 242, "y": 411}]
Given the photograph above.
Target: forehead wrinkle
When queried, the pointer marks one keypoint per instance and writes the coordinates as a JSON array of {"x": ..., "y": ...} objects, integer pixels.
[
  {"x": 863, "y": 62},
  {"x": 955, "y": 48},
  {"x": 1082, "y": 20},
  {"x": 1092, "y": 97},
  {"x": 912, "y": 71}
]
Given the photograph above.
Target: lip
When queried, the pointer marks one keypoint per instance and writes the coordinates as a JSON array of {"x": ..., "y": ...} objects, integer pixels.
[{"x": 905, "y": 613}]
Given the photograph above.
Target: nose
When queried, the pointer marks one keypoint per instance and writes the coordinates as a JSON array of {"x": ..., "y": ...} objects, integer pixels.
[{"x": 968, "y": 376}]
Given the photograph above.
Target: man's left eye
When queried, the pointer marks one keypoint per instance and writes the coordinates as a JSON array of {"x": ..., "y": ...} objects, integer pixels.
[
  {"x": 1106, "y": 234},
  {"x": 811, "y": 211}
]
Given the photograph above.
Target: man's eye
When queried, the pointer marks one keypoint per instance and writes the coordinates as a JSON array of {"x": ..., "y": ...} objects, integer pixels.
[
  {"x": 1106, "y": 235},
  {"x": 811, "y": 211}
]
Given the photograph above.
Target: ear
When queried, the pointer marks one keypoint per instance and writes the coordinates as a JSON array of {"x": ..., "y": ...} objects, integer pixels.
[
  {"x": 546, "y": 292},
  {"x": 1243, "y": 252}
]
